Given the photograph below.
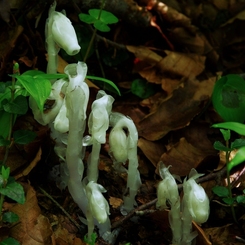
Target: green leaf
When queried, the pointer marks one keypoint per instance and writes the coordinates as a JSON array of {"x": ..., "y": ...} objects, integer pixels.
[
  {"x": 18, "y": 106},
  {"x": 220, "y": 191},
  {"x": 10, "y": 217},
  {"x": 5, "y": 123},
  {"x": 113, "y": 85},
  {"x": 226, "y": 134},
  {"x": 2, "y": 87},
  {"x": 237, "y": 159},
  {"x": 30, "y": 73},
  {"x": 238, "y": 143},
  {"x": 234, "y": 126},
  {"x": 142, "y": 88},
  {"x": 24, "y": 136},
  {"x": 106, "y": 17},
  {"x": 37, "y": 86},
  {"x": 229, "y": 98},
  {"x": 4, "y": 142},
  {"x": 220, "y": 147},
  {"x": 101, "y": 26},
  {"x": 240, "y": 199},
  {"x": 87, "y": 18},
  {"x": 14, "y": 191},
  {"x": 228, "y": 200},
  {"x": 9, "y": 241},
  {"x": 5, "y": 173}
]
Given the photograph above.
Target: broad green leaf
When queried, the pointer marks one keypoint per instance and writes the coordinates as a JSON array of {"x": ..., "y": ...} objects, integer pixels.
[
  {"x": 238, "y": 143},
  {"x": 38, "y": 87},
  {"x": 220, "y": 191},
  {"x": 30, "y": 73},
  {"x": 226, "y": 134},
  {"x": 10, "y": 217},
  {"x": 24, "y": 136},
  {"x": 240, "y": 199},
  {"x": 2, "y": 87},
  {"x": 14, "y": 191},
  {"x": 220, "y": 147},
  {"x": 18, "y": 106},
  {"x": 4, "y": 142},
  {"x": 234, "y": 126},
  {"x": 237, "y": 159},
  {"x": 142, "y": 88},
  {"x": 5, "y": 123},
  {"x": 51, "y": 76},
  {"x": 228, "y": 200},
  {"x": 113, "y": 85},
  {"x": 101, "y": 26},
  {"x": 87, "y": 18},
  {"x": 106, "y": 17},
  {"x": 5, "y": 96},
  {"x": 229, "y": 98},
  {"x": 5, "y": 173},
  {"x": 9, "y": 241}
]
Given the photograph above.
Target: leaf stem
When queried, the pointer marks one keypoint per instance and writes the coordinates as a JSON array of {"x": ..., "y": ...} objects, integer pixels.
[
  {"x": 94, "y": 33},
  {"x": 229, "y": 183},
  {"x": 11, "y": 122}
]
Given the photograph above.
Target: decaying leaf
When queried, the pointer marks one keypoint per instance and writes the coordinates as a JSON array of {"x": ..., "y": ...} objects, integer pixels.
[
  {"x": 184, "y": 156},
  {"x": 176, "y": 111},
  {"x": 33, "y": 228}
]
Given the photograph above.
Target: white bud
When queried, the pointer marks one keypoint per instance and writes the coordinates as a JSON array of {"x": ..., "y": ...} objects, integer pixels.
[
  {"x": 196, "y": 200},
  {"x": 167, "y": 188},
  {"x": 64, "y": 34},
  {"x": 97, "y": 203},
  {"x": 118, "y": 144}
]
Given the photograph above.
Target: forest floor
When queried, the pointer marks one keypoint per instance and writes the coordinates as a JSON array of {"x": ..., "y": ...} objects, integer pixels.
[{"x": 165, "y": 59}]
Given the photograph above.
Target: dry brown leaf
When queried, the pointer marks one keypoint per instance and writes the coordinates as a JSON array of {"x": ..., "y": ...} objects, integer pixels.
[
  {"x": 176, "y": 111},
  {"x": 33, "y": 228},
  {"x": 184, "y": 156},
  {"x": 115, "y": 202},
  {"x": 186, "y": 65},
  {"x": 223, "y": 235},
  {"x": 151, "y": 150},
  {"x": 153, "y": 76}
]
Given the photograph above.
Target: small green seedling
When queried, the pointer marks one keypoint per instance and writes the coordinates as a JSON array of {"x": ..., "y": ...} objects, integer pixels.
[
  {"x": 226, "y": 193},
  {"x": 92, "y": 239},
  {"x": 99, "y": 18},
  {"x": 13, "y": 190},
  {"x": 142, "y": 88}
]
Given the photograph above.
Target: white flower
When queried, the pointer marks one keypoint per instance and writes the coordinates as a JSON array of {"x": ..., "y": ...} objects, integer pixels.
[
  {"x": 63, "y": 33},
  {"x": 98, "y": 205},
  {"x": 99, "y": 117},
  {"x": 167, "y": 188},
  {"x": 196, "y": 200}
]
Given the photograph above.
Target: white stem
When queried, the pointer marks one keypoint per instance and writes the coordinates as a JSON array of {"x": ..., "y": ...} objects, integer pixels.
[
  {"x": 76, "y": 101},
  {"x": 51, "y": 47},
  {"x": 93, "y": 162}
]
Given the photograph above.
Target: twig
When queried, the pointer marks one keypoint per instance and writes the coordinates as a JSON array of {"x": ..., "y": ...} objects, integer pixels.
[{"x": 62, "y": 209}]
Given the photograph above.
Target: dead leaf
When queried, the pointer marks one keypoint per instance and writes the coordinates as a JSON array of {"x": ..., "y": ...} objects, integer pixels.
[
  {"x": 151, "y": 150},
  {"x": 186, "y": 65},
  {"x": 115, "y": 202},
  {"x": 184, "y": 156},
  {"x": 33, "y": 228},
  {"x": 224, "y": 235},
  {"x": 176, "y": 111}
]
